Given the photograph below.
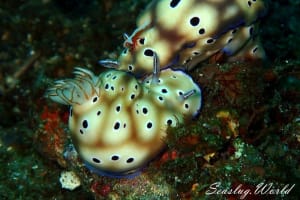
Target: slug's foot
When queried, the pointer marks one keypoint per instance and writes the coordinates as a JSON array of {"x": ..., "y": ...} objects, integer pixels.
[{"x": 127, "y": 174}]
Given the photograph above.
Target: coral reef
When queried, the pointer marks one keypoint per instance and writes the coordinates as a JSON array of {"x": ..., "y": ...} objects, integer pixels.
[{"x": 247, "y": 133}]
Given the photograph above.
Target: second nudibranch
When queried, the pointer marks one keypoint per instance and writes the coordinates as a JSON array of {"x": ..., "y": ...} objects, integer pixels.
[{"x": 186, "y": 32}]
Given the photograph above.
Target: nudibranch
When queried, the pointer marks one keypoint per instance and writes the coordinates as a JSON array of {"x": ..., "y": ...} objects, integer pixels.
[
  {"x": 186, "y": 32},
  {"x": 117, "y": 122}
]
